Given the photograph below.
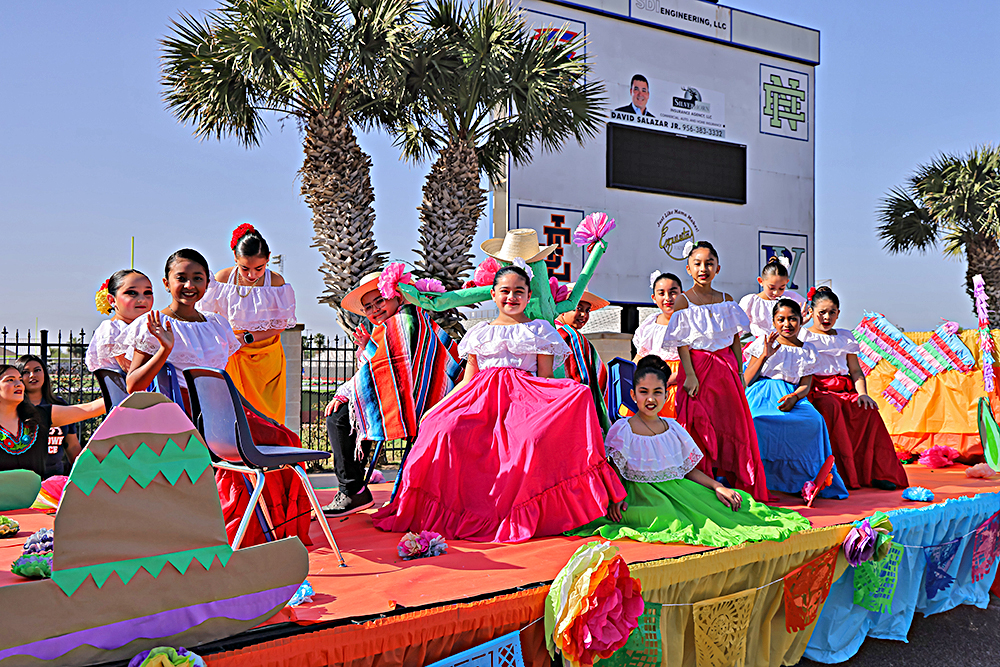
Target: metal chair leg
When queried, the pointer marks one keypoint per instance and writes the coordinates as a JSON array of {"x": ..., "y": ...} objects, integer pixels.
[
  {"x": 318, "y": 510},
  {"x": 375, "y": 455},
  {"x": 258, "y": 488}
]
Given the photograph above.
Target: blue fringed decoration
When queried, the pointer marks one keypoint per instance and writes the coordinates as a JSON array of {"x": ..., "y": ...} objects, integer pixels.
[{"x": 919, "y": 494}]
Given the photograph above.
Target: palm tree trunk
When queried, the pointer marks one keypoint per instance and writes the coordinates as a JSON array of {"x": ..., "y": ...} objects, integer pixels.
[
  {"x": 983, "y": 256},
  {"x": 336, "y": 185},
  {"x": 449, "y": 214}
]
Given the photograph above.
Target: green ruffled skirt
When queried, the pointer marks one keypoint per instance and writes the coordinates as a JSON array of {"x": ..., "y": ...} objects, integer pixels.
[{"x": 680, "y": 510}]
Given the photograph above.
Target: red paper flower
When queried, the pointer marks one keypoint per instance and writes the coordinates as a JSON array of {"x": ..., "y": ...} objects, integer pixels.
[
  {"x": 239, "y": 233},
  {"x": 483, "y": 276}
]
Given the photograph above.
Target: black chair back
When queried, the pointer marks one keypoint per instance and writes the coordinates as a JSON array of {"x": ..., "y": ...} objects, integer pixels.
[
  {"x": 113, "y": 387},
  {"x": 217, "y": 407}
]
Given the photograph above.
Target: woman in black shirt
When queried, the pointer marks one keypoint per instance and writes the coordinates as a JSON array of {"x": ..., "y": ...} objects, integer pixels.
[{"x": 24, "y": 428}]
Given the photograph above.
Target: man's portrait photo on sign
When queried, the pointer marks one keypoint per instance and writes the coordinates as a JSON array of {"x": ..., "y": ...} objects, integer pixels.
[{"x": 639, "y": 88}]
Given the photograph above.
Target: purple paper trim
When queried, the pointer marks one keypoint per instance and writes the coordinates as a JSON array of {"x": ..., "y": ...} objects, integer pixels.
[{"x": 155, "y": 626}]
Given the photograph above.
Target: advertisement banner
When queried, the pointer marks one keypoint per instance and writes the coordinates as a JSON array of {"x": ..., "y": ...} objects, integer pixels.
[
  {"x": 695, "y": 16},
  {"x": 669, "y": 107}
]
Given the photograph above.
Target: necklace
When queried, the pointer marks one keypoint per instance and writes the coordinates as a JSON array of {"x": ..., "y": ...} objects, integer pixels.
[
  {"x": 648, "y": 427},
  {"x": 184, "y": 319},
  {"x": 250, "y": 286},
  {"x": 21, "y": 443}
]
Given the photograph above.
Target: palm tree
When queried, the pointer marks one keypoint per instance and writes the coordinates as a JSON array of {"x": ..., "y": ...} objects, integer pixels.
[
  {"x": 476, "y": 88},
  {"x": 954, "y": 199},
  {"x": 322, "y": 62}
]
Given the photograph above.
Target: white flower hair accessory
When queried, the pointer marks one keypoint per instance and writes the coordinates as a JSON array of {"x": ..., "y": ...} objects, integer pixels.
[
  {"x": 652, "y": 278},
  {"x": 521, "y": 264},
  {"x": 785, "y": 262},
  {"x": 688, "y": 248}
]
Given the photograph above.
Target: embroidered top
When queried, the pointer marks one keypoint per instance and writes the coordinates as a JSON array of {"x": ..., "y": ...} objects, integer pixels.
[
  {"x": 100, "y": 351},
  {"x": 648, "y": 339},
  {"x": 788, "y": 363},
  {"x": 761, "y": 310},
  {"x": 209, "y": 343},
  {"x": 251, "y": 308},
  {"x": 652, "y": 458},
  {"x": 514, "y": 345},
  {"x": 708, "y": 328},
  {"x": 832, "y": 350}
]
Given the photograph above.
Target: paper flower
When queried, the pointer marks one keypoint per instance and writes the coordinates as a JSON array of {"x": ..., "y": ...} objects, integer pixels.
[
  {"x": 8, "y": 527},
  {"x": 859, "y": 545},
  {"x": 101, "y": 300},
  {"x": 559, "y": 292},
  {"x": 167, "y": 655},
  {"x": 239, "y": 233},
  {"x": 423, "y": 545},
  {"x": 785, "y": 262},
  {"x": 938, "y": 456},
  {"x": 592, "y": 606},
  {"x": 688, "y": 249},
  {"x": 409, "y": 546},
  {"x": 391, "y": 276},
  {"x": 430, "y": 285},
  {"x": 882, "y": 526},
  {"x": 919, "y": 494},
  {"x": 982, "y": 470},
  {"x": 521, "y": 264},
  {"x": 483, "y": 277},
  {"x": 652, "y": 278},
  {"x": 592, "y": 229},
  {"x": 436, "y": 546},
  {"x": 302, "y": 595}
]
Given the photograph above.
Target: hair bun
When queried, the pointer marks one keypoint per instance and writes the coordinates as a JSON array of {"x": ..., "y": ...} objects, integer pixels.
[
  {"x": 240, "y": 232},
  {"x": 652, "y": 361}
]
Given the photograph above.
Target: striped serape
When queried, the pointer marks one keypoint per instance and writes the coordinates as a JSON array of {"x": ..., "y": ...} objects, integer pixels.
[
  {"x": 585, "y": 366},
  {"x": 408, "y": 365}
]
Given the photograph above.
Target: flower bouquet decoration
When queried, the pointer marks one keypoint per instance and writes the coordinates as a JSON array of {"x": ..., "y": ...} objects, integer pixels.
[{"x": 421, "y": 545}]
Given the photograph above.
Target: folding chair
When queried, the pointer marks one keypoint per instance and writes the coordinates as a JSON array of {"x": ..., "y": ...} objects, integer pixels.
[
  {"x": 620, "y": 403},
  {"x": 113, "y": 388},
  {"x": 217, "y": 407}
]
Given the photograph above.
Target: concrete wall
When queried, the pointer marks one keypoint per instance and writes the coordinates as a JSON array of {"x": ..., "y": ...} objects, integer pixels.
[{"x": 291, "y": 340}]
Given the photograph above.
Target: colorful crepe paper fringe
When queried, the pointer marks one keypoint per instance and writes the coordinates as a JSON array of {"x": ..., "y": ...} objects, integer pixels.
[
  {"x": 987, "y": 347},
  {"x": 592, "y": 606},
  {"x": 51, "y": 493},
  {"x": 426, "y": 544},
  {"x": 919, "y": 494}
]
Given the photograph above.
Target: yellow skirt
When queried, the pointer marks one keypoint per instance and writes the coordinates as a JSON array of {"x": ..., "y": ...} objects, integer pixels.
[{"x": 258, "y": 371}]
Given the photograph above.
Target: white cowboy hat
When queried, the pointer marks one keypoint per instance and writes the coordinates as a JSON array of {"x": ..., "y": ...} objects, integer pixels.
[
  {"x": 352, "y": 300},
  {"x": 516, "y": 243}
]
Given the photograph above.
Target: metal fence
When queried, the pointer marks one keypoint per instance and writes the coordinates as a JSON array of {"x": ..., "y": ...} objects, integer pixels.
[{"x": 64, "y": 358}]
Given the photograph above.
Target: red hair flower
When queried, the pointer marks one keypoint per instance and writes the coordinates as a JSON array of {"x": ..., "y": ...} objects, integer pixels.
[
  {"x": 810, "y": 294},
  {"x": 239, "y": 233}
]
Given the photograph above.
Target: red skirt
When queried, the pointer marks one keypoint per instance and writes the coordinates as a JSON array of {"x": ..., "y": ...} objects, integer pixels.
[
  {"x": 719, "y": 420},
  {"x": 287, "y": 502},
  {"x": 507, "y": 457},
  {"x": 861, "y": 444}
]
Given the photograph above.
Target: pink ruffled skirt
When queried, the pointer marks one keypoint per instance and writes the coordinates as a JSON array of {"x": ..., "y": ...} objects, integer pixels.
[{"x": 507, "y": 457}]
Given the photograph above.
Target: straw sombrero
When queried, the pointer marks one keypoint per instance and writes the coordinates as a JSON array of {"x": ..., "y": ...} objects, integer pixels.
[
  {"x": 596, "y": 302},
  {"x": 352, "y": 300},
  {"x": 516, "y": 243}
]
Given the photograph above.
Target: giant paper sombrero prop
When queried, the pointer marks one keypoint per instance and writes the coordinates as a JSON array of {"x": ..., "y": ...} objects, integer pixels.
[{"x": 141, "y": 557}]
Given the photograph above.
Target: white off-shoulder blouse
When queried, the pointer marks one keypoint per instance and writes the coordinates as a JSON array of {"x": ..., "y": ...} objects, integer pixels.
[
  {"x": 100, "y": 352},
  {"x": 788, "y": 363},
  {"x": 832, "y": 350},
  {"x": 649, "y": 337},
  {"x": 251, "y": 308},
  {"x": 514, "y": 345},
  {"x": 709, "y": 328},
  {"x": 761, "y": 311},
  {"x": 652, "y": 458}
]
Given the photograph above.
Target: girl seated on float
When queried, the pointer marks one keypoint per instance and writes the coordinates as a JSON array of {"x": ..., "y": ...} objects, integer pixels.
[
  {"x": 861, "y": 444},
  {"x": 705, "y": 327},
  {"x": 511, "y": 453},
  {"x": 794, "y": 442},
  {"x": 773, "y": 283},
  {"x": 129, "y": 294},
  {"x": 648, "y": 338},
  {"x": 669, "y": 499}
]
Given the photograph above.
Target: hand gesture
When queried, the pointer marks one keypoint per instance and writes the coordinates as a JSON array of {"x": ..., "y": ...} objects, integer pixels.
[
  {"x": 787, "y": 402},
  {"x": 332, "y": 406},
  {"x": 161, "y": 330},
  {"x": 361, "y": 336},
  {"x": 615, "y": 510},
  {"x": 691, "y": 385},
  {"x": 867, "y": 402},
  {"x": 731, "y": 498},
  {"x": 770, "y": 344}
]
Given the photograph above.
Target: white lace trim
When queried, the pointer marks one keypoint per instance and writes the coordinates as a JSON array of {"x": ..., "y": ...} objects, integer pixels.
[
  {"x": 709, "y": 328},
  {"x": 263, "y": 308},
  {"x": 832, "y": 351},
  {"x": 101, "y": 351},
  {"x": 761, "y": 311},
  {"x": 662, "y": 475},
  {"x": 209, "y": 343},
  {"x": 514, "y": 345},
  {"x": 788, "y": 363}
]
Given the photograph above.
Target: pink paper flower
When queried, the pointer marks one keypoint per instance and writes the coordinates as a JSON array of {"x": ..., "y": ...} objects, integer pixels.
[
  {"x": 430, "y": 285},
  {"x": 409, "y": 546},
  {"x": 391, "y": 276},
  {"x": 592, "y": 229},
  {"x": 483, "y": 276},
  {"x": 859, "y": 545},
  {"x": 609, "y": 615},
  {"x": 938, "y": 456},
  {"x": 559, "y": 292}
]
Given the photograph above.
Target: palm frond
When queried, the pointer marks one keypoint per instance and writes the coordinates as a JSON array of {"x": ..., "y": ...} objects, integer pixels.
[{"x": 906, "y": 224}]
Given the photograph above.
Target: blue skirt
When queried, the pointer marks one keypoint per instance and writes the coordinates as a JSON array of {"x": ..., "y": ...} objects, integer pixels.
[{"x": 793, "y": 445}]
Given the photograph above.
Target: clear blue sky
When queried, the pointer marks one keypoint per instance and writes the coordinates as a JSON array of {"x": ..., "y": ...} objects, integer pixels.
[{"x": 90, "y": 157}]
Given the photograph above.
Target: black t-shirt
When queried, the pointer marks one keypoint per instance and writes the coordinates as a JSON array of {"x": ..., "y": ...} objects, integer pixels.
[
  {"x": 33, "y": 458},
  {"x": 55, "y": 461}
]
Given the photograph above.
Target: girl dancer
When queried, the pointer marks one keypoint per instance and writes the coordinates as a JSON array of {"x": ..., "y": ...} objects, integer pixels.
[
  {"x": 773, "y": 283},
  {"x": 128, "y": 293},
  {"x": 259, "y": 305},
  {"x": 510, "y": 454},
  {"x": 794, "y": 442},
  {"x": 861, "y": 444},
  {"x": 648, "y": 338},
  {"x": 705, "y": 327},
  {"x": 669, "y": 499}
]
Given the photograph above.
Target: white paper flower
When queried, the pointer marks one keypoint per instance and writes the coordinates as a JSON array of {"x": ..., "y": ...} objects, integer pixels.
[
  {"x": 688, "y": 247},
  {"x": 652, "y": 278},
  {"x": 521, "y": 264},
  {"x": 785, "y": 262}
]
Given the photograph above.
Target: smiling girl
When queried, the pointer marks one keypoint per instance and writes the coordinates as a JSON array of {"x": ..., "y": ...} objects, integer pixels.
[
  {"x": 794, "y": 441},
  {"x": 649, "y": 337},
  {"x": 511, "y": 453},
  {"x": 129, "y": 296}
]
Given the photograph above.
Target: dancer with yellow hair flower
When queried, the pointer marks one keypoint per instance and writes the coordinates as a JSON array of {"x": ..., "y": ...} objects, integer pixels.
[{"x": 129, "y": 294}]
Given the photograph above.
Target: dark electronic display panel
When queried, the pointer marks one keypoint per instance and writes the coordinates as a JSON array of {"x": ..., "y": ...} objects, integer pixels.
[{"x": 674, "y": 164}]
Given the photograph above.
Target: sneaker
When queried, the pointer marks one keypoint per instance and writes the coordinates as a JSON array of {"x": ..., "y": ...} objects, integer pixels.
[{"x": 344, "y": 504}]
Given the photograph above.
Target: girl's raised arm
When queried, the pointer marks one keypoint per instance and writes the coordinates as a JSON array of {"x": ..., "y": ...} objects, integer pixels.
[
  {"x": 756, "y": 364},
  {"x": 145, "y": 366}
]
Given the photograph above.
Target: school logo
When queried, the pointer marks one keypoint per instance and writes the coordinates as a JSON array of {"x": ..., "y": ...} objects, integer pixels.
[
  {"x": 784, "y": 102},
  {"x": 676, "y": 228},
  {"x": 794, "y": 248}
]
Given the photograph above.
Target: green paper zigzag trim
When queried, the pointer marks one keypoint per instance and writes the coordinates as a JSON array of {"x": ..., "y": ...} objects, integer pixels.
[
  {"x": 70, "y": 580},
  {"x": 142, "y": 467}
]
